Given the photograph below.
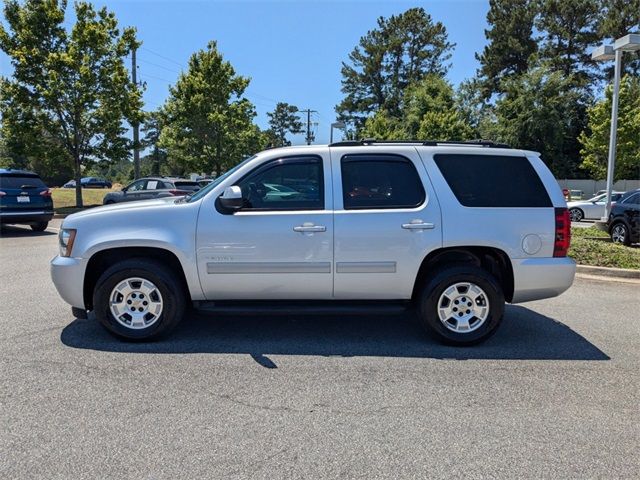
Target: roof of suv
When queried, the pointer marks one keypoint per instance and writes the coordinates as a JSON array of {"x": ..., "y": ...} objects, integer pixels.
[{"x": 16, "y": 172}]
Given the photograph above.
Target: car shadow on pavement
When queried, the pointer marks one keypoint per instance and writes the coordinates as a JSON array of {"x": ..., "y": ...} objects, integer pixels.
[
  {"x": 11, "y": 231},
  {"x": 524, "y": 335}
]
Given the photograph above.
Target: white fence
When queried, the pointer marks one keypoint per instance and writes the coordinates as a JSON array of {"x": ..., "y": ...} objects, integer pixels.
[{"x": 590, "y": 187}]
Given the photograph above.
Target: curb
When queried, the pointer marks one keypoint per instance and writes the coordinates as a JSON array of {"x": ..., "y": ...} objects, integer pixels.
[{"x": 608, "y": 272}]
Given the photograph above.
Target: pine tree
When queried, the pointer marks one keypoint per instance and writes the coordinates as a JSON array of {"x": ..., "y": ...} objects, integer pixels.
[{"x": 510, "y": 43}]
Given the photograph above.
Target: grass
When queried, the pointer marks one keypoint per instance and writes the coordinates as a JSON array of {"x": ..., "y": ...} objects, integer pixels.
[
  {"x": 589, "y": 246},
  {"x": 64, "y": 199}
]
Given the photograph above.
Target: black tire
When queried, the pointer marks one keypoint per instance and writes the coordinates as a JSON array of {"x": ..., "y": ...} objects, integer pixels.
[
  {"x": 39, "y": 227},
  {"x": 446, "y": 277},
  {"x": 576, "y": 214},
  {"x": 172, "y": 291},
  {"x": 109, "y": 202},
  {"x": 620, "y": 233}
]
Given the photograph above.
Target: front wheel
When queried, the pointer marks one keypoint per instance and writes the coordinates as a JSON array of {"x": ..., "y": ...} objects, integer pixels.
[
  {"x": 461, "y": 305},
  {"x": 576, "y": 214},
  {"x": 39, "y": 227},
  {"x": 139, "y": 299},
  {"x": 620, "y": 234}
]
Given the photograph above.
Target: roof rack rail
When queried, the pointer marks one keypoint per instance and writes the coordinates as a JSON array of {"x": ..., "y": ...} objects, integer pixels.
[{"x": 428, "y": 143}]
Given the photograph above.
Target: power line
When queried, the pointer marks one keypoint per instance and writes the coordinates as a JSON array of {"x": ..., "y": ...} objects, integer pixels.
[
  {"x": 159, "y": 66},
  {"x": 162, "y": 56}
]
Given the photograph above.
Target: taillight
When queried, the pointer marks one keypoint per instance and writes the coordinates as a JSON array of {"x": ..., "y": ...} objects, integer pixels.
[
  {"x": 177, "y": 192},
  {"x": 563, "y": 232},
  {"x": 45, "y": 193}
]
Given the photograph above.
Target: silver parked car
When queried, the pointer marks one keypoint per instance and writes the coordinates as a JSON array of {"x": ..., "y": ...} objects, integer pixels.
[
  {"x": 592, "y": 209},
  {"x": 152, "y": 187},
  {"x": 455, "y": 230}
]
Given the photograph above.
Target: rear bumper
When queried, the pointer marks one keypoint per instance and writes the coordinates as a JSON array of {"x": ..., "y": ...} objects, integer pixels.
[
  {"x": 538, "y": 278},
  {"x": 35, "y": 216},
  {"x": 67, "y": 274}
]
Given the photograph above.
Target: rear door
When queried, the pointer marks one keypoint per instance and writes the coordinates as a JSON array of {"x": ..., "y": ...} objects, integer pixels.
[
  {"x": 23, "y": 192},
  {"x": 387, "y": 219}
]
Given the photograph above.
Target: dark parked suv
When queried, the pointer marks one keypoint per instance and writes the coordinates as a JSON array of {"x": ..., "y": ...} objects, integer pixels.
[
  {"x": 624, "y": 219},
  {"x": 24, "y": 199},
  {"x": 152, "y": 187}
]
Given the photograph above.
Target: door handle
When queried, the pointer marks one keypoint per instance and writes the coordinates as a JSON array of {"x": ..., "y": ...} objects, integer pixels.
[
  {"x": 418, "y": 225},
  {"x": 310, "y": 228}
]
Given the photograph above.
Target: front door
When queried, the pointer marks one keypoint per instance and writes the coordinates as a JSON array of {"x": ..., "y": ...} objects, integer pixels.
[
  {"x": 387, "y": 220},
  {"x": 280, "y": 244}
]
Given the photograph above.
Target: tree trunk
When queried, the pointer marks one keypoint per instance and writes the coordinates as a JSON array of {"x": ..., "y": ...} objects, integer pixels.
[
  {"x": 78, "y": 183},
  {"x": 156, "y": 163}
]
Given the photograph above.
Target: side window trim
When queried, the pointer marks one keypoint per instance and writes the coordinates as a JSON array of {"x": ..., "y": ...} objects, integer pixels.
[
  {"x": 381, "y": 157},
  {"x": 293, "y": 159}
]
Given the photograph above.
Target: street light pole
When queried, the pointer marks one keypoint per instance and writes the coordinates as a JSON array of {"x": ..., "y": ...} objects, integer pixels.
[
  {"x": 335, "y": 125},
  {"x": 614, "y": 132}
]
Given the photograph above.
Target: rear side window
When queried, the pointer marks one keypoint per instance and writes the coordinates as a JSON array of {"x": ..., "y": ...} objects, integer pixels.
[
  {"x": 493, "y": 180},
  {"x": 380, "y": 181},
  {"x": 20, "y": 181}
]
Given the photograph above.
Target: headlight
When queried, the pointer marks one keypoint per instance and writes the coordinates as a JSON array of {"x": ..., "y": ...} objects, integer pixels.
[{"x": 65, "y": 239}]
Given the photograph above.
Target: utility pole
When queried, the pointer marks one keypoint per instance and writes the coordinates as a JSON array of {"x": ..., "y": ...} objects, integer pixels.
[
  {"x": 135, "y": 125},
  {"x": 309, "y": 137}
]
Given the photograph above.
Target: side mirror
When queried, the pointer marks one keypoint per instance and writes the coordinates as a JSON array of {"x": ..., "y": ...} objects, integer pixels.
[{"x": 231, "y": 198}]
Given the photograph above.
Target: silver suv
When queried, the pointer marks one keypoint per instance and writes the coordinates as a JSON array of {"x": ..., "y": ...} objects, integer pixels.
[{"x": 454, "y": 229}]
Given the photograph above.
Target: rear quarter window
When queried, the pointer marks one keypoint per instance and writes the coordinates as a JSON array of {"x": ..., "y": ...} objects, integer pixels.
[
  {"x": 493, "y": 180},
  {"x": 20, "y": 181}
]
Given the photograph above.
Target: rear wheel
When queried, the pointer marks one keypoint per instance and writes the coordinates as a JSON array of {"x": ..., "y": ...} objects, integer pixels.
[
  {"x": 620, "y": 234},
  {"x": 139, "y": 299},
  {"x": 461, "y": 305},
  {"x": 39, "y": 227},
  {"x": 576, "y": 214}
]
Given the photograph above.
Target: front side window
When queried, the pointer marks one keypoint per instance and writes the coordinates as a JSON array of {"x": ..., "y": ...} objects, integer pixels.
[
  {"x": 137, "y": 186},
  {"x": 380, "y": 181},
  {"x": 632, "y": 200},
  {"x": 285, "y": 184}
]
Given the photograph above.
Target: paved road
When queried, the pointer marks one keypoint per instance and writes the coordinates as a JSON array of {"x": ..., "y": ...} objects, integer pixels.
[{"x": 555, "y": 394}]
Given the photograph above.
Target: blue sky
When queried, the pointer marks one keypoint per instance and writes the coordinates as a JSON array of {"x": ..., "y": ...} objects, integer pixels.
[{"x": 292, "y": 50}]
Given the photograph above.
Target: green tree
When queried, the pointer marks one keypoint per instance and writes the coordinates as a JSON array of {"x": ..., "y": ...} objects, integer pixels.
[
  {"x": 541, "y": 110},
  {"x": 151, "y": 129},
  {"x": 401, "y": 50},
  {"x": 70, "y": 91},
  {"x": 429, "y": 113},
  {"x": 382, "y": 126},
  {"x": 511, "y": 43},
  {"x": 595, "y": 139},
  {"x": 209, "y": 124},
  {"x": 569, "y": 30},
  {"x": 282, "y": 121}
]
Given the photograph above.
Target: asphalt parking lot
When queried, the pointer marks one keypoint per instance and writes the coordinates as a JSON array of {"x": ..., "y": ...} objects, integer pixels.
[{"x": 554, "y": 394}]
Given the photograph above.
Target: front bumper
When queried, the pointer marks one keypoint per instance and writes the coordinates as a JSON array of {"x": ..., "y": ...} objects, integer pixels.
[
  {"x": 67, "y": 274},
  {"x": 538, "y": 278}
]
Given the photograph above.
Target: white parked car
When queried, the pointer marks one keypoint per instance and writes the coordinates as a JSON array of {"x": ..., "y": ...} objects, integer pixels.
[
  {"x": 592, "y": 209},
  {"x": 454, "y": 230}
]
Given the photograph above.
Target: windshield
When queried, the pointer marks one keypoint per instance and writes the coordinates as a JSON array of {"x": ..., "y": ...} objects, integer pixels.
[
  {"x": 205, "y": 190},
  {"x": 598, "y": 198}
]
